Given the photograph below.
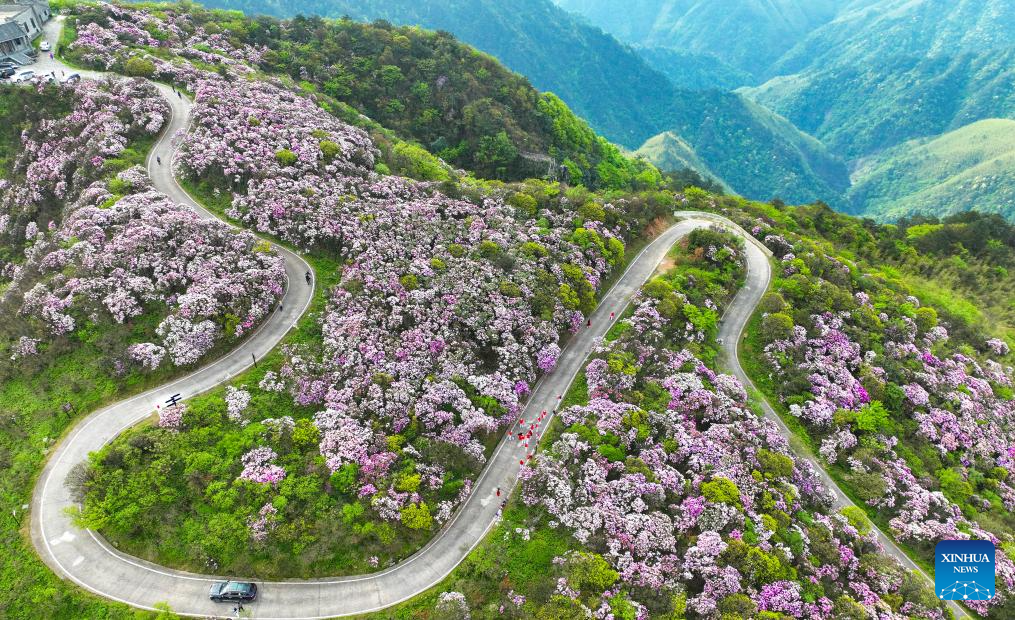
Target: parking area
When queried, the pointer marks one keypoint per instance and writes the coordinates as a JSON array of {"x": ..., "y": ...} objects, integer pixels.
[{"x": 38, "y": 65}]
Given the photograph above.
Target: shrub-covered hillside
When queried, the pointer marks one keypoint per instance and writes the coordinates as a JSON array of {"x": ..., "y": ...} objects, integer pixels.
[
  {"x": 972, "y": 168},
  {"x": 761, "y": 155},
  {"x": 106, "y": 287},
  {"x": 660, "y": 494},
  {"x": 457, "y": 103}
]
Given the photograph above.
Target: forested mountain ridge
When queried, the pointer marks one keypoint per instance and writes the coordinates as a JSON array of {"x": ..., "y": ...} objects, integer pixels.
[
  {"x": 612, "y": 87},
  {"x": 858, "y": 109},
  {"x": 869, "y": 31},
  {"x": 750, "y": 35},
  {"x": 966, "y": 169},
  {"x": 694, "y": 71},
  {"x": 861, "y": 76}
]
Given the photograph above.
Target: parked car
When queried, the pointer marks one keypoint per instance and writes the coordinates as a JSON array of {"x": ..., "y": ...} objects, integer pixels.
[
  {"x": 240, "y": 591},
  {"x": 45, "y": 46},
  {"x": 6, "y": 72},
  {"x": 73, "y": 77},
  {"x": 24, "y": 76}
]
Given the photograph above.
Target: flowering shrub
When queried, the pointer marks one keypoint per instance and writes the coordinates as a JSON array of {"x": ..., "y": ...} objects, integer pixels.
[
  {"x": 432, "y": 325},
  {"x": 113, "y": 252},
  {"x": 685, "y": 493},
  {"x": 258, "y": 468},
  {"x": 171, "y": 418},
  {"x": 110, "y": 36},
  {"x": 921, "y": 429}
]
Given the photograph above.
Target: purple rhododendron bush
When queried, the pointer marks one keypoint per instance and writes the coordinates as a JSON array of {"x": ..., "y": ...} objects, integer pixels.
[
  {"x": 450, "y": 302},
  {"x": 660, "y": 494},
  {"x": 115, "y": 263},
  {"x": 695, "y": 503},
  {"x": 918, "y": 423}
]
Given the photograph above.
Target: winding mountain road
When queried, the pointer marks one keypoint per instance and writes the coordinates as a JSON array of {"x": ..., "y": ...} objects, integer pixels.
[{"x": 85, "y": 558}]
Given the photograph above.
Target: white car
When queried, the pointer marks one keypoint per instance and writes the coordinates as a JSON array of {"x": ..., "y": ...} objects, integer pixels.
[
  {"x": 24, "y": 76},
  {"x": 45, "y": 46}
]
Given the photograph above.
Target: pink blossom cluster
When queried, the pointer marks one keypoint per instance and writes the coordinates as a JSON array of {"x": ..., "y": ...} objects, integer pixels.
[
  {"x": 172, "y": 417},
  {"x": 633, "y": 482},
  {"x": 257, "y": 466},
  {"x": 264, "y": 523},
  {"x": 432, "y": 321},
  {"x": 960, "y": 405},
  {"x": 60, "y": 158},
  {"x": 108, "y": 35},
  {"x": 144, "y": 251},
  {"x": 110, "y": 258}
]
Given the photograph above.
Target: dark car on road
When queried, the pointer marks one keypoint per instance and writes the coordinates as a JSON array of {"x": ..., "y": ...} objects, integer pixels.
[{"x": 229, "y": 591}]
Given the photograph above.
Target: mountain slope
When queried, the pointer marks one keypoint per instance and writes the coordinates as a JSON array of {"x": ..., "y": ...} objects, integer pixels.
[
  {"x": 869, "y": 31},
  {"x": 860, "y": 108},
  {"x": 760, "y": 154},
  {"x": 757, "y": 153},
  {"x": 668, "y": 151},
  {"x": 747, "y": 34},
  {"x": 694, "y": 71},
  {"x": 599, "y": 78},
  {"x": 970, "y": 168}
]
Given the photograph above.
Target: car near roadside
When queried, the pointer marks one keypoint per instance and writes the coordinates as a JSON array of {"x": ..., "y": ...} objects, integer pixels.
[
  {"x": 45, "y": 46},
  {"x": 229, "y": 591},
  {"x": 22, "y": 77},
  {"x": 6, "y": 72},
  {"x": 72, "y": 78}
]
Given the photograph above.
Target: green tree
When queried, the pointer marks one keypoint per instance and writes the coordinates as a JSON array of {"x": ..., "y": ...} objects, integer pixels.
[
  {"x": 417, "y": 516},
  {"x": 139, "y": 67},
  {"x": 874, "y": 418},
  {"x": 721, "y": 490},
  {"x": 775, "y": 465},
  {"x": 286, "y": 158},
  {"x": 495, "y": 153},
  {"x": 590, "y": 570},
  {"x": 414, "y": 161},
  {"x": 777, "y": 326}
]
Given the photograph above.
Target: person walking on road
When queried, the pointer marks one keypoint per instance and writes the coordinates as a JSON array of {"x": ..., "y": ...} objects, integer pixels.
[{"x": 158, "y": 159}]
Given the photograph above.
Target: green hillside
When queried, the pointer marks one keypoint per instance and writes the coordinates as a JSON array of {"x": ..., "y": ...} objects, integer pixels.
[
  {"x": 870, "y": 31},
  {"x": 668, "y": 151},
  {"x": 757, "y": 152},
  {"x": 694, "y": 71},
  {"x": 750, "y": 35},
  {"x": 970, "y": 168},
  {"x": 859, "y": 107}
]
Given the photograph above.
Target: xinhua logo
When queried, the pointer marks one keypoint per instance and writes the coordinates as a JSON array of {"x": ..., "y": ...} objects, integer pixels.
[{"x": 964, "y": 570}]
